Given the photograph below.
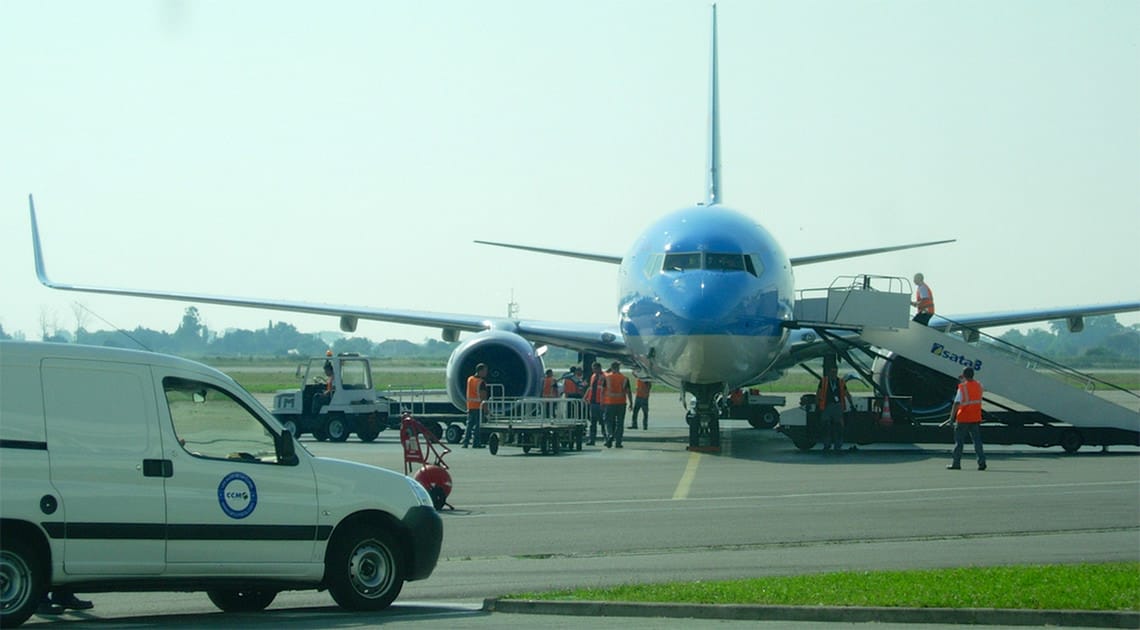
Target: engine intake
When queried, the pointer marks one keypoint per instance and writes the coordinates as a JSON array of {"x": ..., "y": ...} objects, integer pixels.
[{"x": 511, "y": 362}]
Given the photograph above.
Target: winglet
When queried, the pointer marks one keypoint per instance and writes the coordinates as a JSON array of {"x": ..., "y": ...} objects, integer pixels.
[
  {"x": 712, "y": 183},
  {"x": 36, "y": 249}
]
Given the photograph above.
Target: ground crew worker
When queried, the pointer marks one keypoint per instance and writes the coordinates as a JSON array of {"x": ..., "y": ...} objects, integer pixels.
[
  {"x": 966, "y": 414},
  {"x": 550, "y": 390},
  {"x": 831, "y": 399},
  {"x": 617, "y": 396},
  {"x": 320, "y": 399},
  {"x": 572, "y": 388},
  {"x": 923, "y": 300},
  {"x": 641, "y": 403},
  {"x": 595, "y": 397},
  {"x": 476, "y": 394}
]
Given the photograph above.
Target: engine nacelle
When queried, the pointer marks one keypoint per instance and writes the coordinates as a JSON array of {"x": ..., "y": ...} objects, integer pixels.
[
  {"x": 930, "y": 393},
  {"x": 511, "y": 362}
]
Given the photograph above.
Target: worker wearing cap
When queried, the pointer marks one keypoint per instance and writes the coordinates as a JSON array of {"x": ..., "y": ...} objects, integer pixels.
[{"x": 966, "y": 414}]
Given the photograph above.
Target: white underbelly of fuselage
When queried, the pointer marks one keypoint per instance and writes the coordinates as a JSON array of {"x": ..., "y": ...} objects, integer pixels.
[{"x": 732, "y": 360}]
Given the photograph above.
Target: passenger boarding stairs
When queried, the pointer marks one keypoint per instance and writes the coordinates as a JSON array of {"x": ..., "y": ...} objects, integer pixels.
[{"x": 881, "y": 318}]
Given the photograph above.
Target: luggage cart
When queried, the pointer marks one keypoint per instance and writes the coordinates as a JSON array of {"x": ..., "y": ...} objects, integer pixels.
[{"x": 549, "y": 425}]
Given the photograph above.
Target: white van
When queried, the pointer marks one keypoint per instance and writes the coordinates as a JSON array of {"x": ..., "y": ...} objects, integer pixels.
[{"x": 126, "y": 470}]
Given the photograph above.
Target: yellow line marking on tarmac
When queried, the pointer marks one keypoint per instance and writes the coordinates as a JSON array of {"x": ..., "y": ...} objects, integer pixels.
[{"x": 682, "y": 491}]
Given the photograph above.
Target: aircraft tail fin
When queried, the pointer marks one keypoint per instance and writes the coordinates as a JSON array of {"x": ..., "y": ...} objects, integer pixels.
[{"x": 713, "y": 188}]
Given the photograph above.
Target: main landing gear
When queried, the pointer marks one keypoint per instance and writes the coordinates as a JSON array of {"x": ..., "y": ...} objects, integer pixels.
[{"x": 704, "y": 418}]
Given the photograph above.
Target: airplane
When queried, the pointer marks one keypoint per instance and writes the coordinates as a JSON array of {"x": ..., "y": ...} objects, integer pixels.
[{"x": 706, "y": 305}]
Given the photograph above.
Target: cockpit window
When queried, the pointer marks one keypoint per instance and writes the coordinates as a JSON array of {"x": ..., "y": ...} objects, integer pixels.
[
  {"x": 724, "y": 262},
  {"x": 681, "y": 262},
  {"x": 712, "y": 261}
]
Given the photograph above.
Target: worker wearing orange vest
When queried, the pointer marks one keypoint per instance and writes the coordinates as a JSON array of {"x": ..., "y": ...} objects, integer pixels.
[
  {"x": 966, "y": 414},
  {"x": 923, "y": 300},
  {"x": 832, "y": 399},
  {"x": 550, "y": 390},
  {"x": 572, "y": 388},
  {"x": 476, "y": 394},
  {"x": 616, "y": 398},
  {"x": 595, "y": 397},
  {"x": 641, "y": 403}
]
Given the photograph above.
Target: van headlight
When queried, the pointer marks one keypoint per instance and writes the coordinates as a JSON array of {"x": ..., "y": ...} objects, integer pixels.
[{"x": 420, "y": 492}]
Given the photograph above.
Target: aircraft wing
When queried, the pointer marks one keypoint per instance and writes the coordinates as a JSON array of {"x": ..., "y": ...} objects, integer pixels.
[
  {"x": 600, "y": 339},
  {"x": 799, "y": 260},
  {"x": 613, "y": 260},
  {"x": 1010, "y": 318}
]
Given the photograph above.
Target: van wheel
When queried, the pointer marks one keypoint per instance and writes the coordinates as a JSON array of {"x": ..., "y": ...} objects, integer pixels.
[
  {"x": 241, "y": 600},
  {"x": 291, "y": 427},
  {"x": 21, "y": 581},
  {"x": 363, "y": 569},
  {"x": 337, "y": 428},
  {"x": 368, "y": 435}
]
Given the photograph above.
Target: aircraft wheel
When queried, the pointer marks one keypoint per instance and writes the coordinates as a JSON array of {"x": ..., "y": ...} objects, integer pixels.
[
  {"x": 1071, "y": 440},
  {"x": 493, "y": 444}
]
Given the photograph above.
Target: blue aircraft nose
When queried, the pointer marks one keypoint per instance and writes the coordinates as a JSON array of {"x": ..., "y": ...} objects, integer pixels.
[{"x": 702, "y": 302}]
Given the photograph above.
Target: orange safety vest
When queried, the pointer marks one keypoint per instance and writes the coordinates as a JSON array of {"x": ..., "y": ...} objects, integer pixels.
[
  {"x": 549, "y": 389},
  {"x": 474, "y": 397},
  {"x": 970, "y": 407},
  {"x": 924, "y": 304},
  {"x": 616, "y": 387},
  {"x": 643, "y": 388},
  {"x": 569, "y": 386},
  {"x": 597, "y": 388},
  {"x": 821, "y": 393}
]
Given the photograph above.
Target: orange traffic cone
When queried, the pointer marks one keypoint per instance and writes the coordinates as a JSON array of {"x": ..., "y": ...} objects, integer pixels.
[{"x": 885, "y": 419}]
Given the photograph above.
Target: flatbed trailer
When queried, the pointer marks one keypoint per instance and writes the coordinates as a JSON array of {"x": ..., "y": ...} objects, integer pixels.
[
  {"x": 549, "y": 425},
  {"x": 869, "y": 423}
]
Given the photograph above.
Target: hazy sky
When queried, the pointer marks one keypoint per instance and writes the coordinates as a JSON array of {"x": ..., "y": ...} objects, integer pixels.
[{"x": 349, "y": 152}]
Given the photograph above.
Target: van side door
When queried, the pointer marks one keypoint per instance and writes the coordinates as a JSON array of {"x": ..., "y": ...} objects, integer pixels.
[
  {"x": 231, "y": 501},
  {"x": 102, "y": 441}
]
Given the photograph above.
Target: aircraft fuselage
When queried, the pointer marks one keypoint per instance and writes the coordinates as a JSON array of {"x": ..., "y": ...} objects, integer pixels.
[{"x": 703, "y": 293}]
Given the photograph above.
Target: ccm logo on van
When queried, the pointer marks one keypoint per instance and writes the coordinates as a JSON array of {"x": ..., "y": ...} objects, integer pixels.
[
  {"x": 940, "y": 350},
  {"x": 237, "y": 495}
]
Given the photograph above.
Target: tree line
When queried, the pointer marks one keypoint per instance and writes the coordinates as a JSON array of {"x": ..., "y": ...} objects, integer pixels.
[{"x": 1103, "y": 343}]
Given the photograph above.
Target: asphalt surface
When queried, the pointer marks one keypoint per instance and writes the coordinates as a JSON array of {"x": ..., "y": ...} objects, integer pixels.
[{"x": 653, "y": 512}]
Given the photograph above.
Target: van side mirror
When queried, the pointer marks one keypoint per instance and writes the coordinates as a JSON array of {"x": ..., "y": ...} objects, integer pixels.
[{"x": 286, "y": 448}]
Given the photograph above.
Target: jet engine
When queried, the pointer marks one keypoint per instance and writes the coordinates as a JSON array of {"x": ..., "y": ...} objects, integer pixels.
[
  {"x": 925, "y": 393},
  {"x": 511, "y": 362}
]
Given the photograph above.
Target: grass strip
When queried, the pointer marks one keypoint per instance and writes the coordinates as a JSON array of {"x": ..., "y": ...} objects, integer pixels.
[{"x": 1107, "y": 586}]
